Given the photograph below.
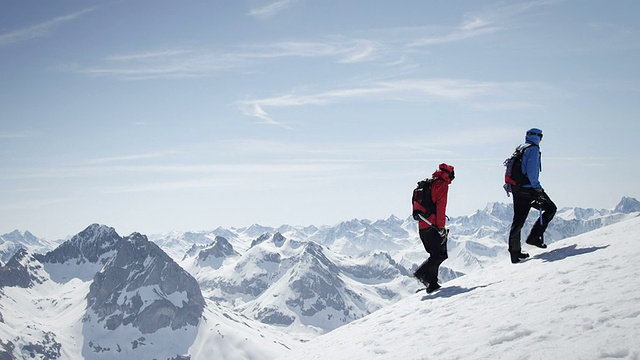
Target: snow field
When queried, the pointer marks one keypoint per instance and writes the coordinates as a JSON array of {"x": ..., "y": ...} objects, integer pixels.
[{"x": 578, "y": 299}]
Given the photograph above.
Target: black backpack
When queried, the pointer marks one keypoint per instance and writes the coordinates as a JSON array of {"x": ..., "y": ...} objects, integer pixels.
[
  {"x": 422, "y": 195},
  {"x": 513, "y": 175}
]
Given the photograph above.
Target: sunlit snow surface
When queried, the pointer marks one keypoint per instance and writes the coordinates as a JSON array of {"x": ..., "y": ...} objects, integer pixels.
[{"x": 578, "y": 299}]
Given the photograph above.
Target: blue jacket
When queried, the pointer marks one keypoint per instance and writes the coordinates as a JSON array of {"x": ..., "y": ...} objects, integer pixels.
[{"x": 531, "y": 162}]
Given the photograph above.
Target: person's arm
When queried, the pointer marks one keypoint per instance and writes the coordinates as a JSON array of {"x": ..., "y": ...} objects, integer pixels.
[
  {"x": 531, "y": 166},
  {"x": 439, "y": 196}
]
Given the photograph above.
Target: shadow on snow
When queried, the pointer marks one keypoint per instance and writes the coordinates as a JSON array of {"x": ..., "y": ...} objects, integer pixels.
[
  {"x": 567, "y": 251},
  {"x": 451, "y": 291},
  {"x": 553, "y": 255}
]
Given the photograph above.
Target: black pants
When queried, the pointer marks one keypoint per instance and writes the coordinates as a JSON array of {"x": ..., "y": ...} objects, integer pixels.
[
  {"x": 523, "y": 200},
  {"x": 436, "y": 246}
]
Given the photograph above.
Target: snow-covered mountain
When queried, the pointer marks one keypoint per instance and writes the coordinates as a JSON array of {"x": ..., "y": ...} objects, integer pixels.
[
  {"x": 103, "y": 296},
  {"x": 578, "y": 299},
  {"x": 245, "y": 293},
  {"x": 475, "y": 240},
  {"x": 297, "y": 284},
  {"x": 13, "y": 241},
  {"x": 351, "y": 269}
]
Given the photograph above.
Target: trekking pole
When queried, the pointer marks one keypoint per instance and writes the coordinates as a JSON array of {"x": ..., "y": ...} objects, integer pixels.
[{"x": 540, "y": 211}]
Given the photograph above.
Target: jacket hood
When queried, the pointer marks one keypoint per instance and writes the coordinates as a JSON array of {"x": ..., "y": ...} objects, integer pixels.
[
  {"x": 445, "y": 172},
  {"x": 532, "y": 136}
]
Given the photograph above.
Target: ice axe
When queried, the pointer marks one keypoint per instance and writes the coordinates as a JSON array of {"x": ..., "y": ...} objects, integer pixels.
[{"x": 444, "y": 235}]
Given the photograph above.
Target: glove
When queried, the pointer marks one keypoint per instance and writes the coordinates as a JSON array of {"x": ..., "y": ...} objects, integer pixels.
[
  {"x": 444, "y": 233},
  {"x": 539, "y": 196},
  {"x": 417, "y": 213}
]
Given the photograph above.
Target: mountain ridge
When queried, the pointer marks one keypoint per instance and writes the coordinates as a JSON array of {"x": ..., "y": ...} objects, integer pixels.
[
  {"x": 289, "y": 283},
  {"x": 135, "y": 289}
]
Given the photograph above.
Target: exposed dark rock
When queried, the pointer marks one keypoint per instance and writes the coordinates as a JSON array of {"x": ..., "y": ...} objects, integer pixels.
[
  {"x": 141, "y": 285},
  {"x": 21, "y": 271}
]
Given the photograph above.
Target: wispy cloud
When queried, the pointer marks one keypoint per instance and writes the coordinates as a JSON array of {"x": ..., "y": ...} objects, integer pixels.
[
  {"x": 255, "y": 110},
  {"x": 39, "y": 30},
  {"x": 191, "y": 63},
  {"x": 417, "y": 90},
  {"x": 168, "y": 63},
  {"x": 364, "y": 50},
  {"x": 463, "y": 32},
  {"x": 134, "y": 157},
  {"x": 482, "y": 95},
  {"x": 477, "y": 24},
  {"x": 147, "y": 178},
  {"x": 271, "y": 9},
  {"x": 345, "y": 50},
  {"x": 386, "y": 45}
]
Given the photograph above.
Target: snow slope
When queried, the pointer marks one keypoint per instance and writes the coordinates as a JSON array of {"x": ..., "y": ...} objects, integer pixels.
[
  {"x": 103, "y": 296},
  {"x": 60, "y": 312},
  {"x": 578, "y": 299}
]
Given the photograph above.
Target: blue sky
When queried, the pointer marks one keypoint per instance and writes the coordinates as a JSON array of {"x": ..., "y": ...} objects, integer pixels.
[{"x": 159, "y": 115}]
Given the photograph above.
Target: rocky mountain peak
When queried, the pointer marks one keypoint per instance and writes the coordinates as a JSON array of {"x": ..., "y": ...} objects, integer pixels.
[
  {"x": 15, "y": 240},
  {"x": 20, "y": 237},
  {"x": 498, "y": 209},
  {"x": 220, "y": 248},
  {"x": 87, "y": 246},
  {"x": 313, "y": 254},
  {"x": 21, "y": 271},
  {"x": 627, "y": 205},
  {"x": 262, "y": 238},
  {"x": 278, "y": 239},
  {"x": 142, "y": 286}
]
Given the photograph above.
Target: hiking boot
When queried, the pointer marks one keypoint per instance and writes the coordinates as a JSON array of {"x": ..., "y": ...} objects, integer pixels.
[
  {"x": 433, "y": 287},
  {"x": 515, "y": 257},
  {"x": 537, "y": 241}
]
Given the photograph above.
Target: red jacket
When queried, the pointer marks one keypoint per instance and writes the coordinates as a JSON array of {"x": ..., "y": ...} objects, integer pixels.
[{"x": 439, "y": 192}]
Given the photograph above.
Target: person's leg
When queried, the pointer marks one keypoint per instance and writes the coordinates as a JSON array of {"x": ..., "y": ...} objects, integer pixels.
[
  {"x": 549, "y": 209},
  {"x": 521, "y": 207},
  {"x": 421, "y": 271},
  {"x": 437, "y": 249}
]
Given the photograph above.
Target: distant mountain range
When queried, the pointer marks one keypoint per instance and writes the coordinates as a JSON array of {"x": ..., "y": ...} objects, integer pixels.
[
  {"x": 10, "y": 243},
  {"x": 258, "y": 290}
]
